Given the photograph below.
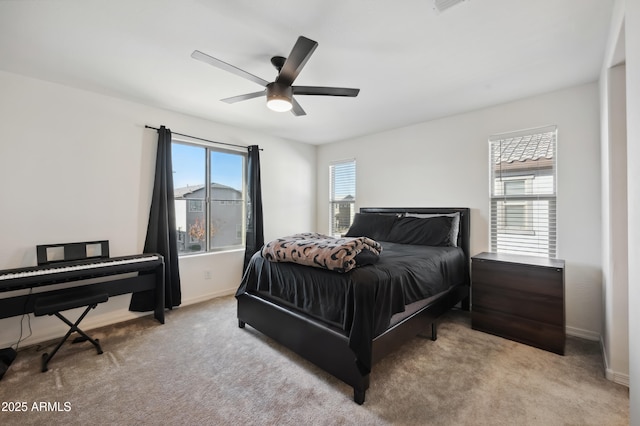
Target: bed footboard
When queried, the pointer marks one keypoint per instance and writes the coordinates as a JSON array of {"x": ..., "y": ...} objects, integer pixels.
[
  {"x": 318, "y": 344},
  {"x": 329, "y": 349}
]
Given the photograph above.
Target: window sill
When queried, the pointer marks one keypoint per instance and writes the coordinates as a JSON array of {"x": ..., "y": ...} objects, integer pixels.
[{"x": 212, "y": 252}]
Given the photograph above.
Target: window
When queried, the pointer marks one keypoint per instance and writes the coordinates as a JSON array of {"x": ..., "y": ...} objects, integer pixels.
[
  {"x": 208, "y": 217},
  {"x": 516, "y": 212},
  {"x": 195, "y": 205},
  {"x": 342, "y": 197},
  {"x": 523, "y": 192}
]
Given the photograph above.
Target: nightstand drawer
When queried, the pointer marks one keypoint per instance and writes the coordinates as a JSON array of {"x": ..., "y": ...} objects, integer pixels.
[
  {"x": 528, "y": 279},
  {"x": 533, "y": 306},
  {"x": 533, "y": 333}
]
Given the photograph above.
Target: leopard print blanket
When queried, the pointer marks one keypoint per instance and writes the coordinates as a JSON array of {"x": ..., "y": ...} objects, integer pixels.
[{"x": 322, "y": 251}]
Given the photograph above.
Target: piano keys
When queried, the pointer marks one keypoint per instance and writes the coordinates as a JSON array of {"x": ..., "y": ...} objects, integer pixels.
[
  {"x": 119, "y": 273},
  {"x": 16, "y": 279}
]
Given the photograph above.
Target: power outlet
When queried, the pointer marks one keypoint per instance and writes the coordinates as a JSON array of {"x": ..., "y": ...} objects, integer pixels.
[{"x": 207, "y": 275}]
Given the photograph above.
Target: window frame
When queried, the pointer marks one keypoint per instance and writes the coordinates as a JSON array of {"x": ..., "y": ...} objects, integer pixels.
[
  {"x": 198, "y": 203},
  {"x": 334, "y": 203},
  {"x": 527, "y": 215},
  {"x": 510, "y": 160},
  {"x": 207, "y": 202}
]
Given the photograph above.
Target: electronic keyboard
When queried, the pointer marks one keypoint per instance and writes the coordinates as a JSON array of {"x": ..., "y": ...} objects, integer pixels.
[
  {"x": 75, "y": 263},
  {"x": 16, "y": 279}
]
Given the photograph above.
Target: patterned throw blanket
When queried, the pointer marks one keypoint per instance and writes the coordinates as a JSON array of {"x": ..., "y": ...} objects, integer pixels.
[{"x": 322, "y": 251}]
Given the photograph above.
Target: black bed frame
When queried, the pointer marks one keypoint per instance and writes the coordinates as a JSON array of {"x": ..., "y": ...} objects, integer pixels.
[{"x": 328, "y": 348}]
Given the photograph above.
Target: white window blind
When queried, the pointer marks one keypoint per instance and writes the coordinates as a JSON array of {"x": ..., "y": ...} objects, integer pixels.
[
  {"x": 523, "y": 192},
  {"x": 342, "y": 196}
]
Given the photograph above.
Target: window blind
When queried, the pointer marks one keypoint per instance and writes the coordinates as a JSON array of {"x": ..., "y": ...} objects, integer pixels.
[
  {"x": 342, "y": 196},
  {"x": 523, "y": 192}
]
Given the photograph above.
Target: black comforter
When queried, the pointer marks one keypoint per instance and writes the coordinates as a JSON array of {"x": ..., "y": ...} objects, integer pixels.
[{"x": 361, "y": 301}]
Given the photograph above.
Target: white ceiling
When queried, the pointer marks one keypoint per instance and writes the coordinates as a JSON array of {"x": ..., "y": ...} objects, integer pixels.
[{"x": 411, "y": 63}]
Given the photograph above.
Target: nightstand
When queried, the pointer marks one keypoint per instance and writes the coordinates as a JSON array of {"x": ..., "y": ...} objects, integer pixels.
[{"x": 520, "y": 298}]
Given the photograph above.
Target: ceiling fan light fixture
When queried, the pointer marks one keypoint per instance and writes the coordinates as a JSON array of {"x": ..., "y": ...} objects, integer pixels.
[
  {"x": 279, "y": 105},
  {"x": 279, "y": 97}
]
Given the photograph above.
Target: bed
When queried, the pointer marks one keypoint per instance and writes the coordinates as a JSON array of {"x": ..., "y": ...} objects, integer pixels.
[{"x": 345, "y": 322}]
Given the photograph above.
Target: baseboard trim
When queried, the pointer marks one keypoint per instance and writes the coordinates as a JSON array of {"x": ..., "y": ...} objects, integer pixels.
[
  {"x": 621, "y": 379},
  {"x": 583, "y": 334},
  {"x": 57, "y": 330},
  {"x": 209, "y": 296},
  {"x": 614, "y": 376}
]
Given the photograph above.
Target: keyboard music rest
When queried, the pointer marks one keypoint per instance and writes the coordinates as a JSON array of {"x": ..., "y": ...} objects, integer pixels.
[{"x": 150, "y": 269}]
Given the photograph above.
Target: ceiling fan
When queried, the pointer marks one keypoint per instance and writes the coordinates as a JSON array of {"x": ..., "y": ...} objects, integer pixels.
[{"x": 280, "y": 92}]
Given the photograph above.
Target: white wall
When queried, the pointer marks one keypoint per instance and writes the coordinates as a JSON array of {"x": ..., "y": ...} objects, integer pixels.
[
  {"x": 615, "y": 261},
  {"x": 632, "y": 41},
  {"x": 78, "y": 166},
  {"x": 445, "y": 163},
  {"x": 614, "y": 226}
]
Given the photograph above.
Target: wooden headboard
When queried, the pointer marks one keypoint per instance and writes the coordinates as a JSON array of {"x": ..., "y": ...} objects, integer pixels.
[{"x": 464, "y": 235}]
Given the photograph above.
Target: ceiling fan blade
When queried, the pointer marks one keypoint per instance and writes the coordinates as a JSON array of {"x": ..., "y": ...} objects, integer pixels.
[
  {"x": 325, "y": 91},
  {"x": 296, "y": 60},
  {"x": 227, "y": 67},
  {"x": 296, "y": 109},
  {"x": 234, "y": 99}
]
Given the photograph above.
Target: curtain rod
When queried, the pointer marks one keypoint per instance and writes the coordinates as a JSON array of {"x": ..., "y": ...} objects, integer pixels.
[{"x": 201, "y": 139}]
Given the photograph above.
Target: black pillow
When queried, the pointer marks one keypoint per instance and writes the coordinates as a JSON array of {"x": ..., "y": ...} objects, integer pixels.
[
  {"x": 433, "y": 231},
  {"x": 366, "y": 257},
  {"x": 372, "y": 225}
]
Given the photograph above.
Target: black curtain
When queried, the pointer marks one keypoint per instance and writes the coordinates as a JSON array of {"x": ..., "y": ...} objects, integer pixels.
[
  {"x": 161, "y": 231},
  {"x": 255, "y": 235}
]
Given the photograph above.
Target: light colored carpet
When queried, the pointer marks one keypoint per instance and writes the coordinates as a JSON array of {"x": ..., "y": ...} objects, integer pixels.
[{"x": 200, "y": 368}]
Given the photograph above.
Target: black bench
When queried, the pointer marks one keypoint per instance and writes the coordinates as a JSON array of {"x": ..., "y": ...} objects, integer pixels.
[{"x": 53, "y": 305}]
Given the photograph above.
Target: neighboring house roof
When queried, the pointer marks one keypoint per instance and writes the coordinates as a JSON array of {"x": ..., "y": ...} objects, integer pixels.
[
  {"x": 184, "y": 191},
  {"x": 181, "y": 192},
  {"x": 525, "y": 148}
]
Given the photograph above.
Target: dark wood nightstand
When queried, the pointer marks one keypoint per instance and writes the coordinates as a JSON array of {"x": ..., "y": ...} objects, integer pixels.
[{"x": 520, "y": 298}]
